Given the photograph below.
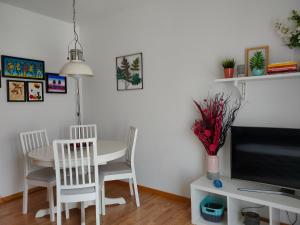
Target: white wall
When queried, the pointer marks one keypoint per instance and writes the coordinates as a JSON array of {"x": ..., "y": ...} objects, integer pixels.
[
  {"x": 30, "y": 35},
  {"x": 183, "y": 43}
]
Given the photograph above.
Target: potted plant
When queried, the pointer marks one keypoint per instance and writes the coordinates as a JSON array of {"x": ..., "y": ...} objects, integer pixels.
[
  {"x": 216, "y": 116},
  {"x": 228, "y": 65},
  {"x": 289, "y": 31},
  {"x": 257, "y": 64}
]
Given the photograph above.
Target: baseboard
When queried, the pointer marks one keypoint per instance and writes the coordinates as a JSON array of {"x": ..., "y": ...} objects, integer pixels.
[
  {"x": 158, "y": 192},
  {"x": 18, "y": 195}
]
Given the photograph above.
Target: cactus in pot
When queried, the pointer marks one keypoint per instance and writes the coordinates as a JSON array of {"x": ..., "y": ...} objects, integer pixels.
[{"x": 228, "y": 65}]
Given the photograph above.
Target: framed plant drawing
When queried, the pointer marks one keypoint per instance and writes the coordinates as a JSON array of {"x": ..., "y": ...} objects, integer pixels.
[
  {"x": 56, "y": 84},
  {"x": 22, "y": 68},
  {"x": 129, "y": 72},
  {"x": 256, "y": 60},
  {"x": 16, "y": 91},
  {"x": 35, "y": 91}
]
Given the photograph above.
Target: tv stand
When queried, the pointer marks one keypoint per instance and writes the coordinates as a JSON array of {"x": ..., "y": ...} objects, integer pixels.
[{"x": 236, "y": 200}]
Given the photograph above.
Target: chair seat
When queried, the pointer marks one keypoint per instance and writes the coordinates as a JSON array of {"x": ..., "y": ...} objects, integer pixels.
[
  {"x": 115, "y": 168},
  {"x": 45, "y": 175},
  {"x": 78, "y": 191}
]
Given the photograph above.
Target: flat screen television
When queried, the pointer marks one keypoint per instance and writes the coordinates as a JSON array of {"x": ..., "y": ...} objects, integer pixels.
[{"x": 266, "y": 155}]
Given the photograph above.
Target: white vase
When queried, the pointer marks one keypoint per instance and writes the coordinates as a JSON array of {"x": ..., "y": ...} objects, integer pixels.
[
  {"x": 296, "y": 56},
  {"x": 213, "y": 167}
]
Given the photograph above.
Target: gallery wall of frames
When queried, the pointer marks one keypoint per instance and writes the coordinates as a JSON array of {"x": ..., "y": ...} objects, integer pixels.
[{"x": 27, "y": 81}]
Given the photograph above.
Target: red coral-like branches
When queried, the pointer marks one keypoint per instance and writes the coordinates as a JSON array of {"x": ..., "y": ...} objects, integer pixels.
[{"x": 217, "y": 115}]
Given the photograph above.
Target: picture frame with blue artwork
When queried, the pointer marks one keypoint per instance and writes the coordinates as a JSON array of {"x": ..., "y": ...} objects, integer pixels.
[
  {"x": 16, "y": 67},
  {"x": 56, "y": 84}
]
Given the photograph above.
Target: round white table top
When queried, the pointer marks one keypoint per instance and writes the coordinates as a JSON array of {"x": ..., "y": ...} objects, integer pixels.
[{"x": 107, "y": 151}]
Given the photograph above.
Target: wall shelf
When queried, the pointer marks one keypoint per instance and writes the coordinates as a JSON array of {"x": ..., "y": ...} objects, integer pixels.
[{"x": 243, "y": 80}]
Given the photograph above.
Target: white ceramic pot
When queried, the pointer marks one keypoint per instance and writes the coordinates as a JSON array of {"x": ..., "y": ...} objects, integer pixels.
[
  {"x": 297, "y": 56},
  {"x": 213, "y": 167}
]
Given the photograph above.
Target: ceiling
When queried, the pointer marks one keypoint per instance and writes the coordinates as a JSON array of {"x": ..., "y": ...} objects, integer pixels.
[{"x": 62, "y": 9}]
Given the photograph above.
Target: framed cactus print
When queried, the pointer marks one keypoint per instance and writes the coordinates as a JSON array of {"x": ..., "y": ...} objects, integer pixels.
[
  {"x": 256, "y": 60},
  {"x": 16, "y": 67},
  {"x": 129, "y": 72}
]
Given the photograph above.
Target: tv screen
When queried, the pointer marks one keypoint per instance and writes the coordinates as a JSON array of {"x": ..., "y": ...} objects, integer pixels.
[{"x": 266, "y": 155}]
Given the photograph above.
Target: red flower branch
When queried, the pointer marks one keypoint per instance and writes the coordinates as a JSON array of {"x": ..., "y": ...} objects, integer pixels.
[{"x": 217, "y": 115}]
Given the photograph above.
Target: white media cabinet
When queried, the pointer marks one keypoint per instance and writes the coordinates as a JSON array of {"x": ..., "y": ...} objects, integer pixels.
[{"x": 236, "y": 200}]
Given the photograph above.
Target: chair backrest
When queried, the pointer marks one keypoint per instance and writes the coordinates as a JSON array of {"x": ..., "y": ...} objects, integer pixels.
[
  {"x": 83, "y": 131},
  {"x": 75, "y": 163},
  {"x": 31, "y": 140},
  {"x": 131, "y": 143}
]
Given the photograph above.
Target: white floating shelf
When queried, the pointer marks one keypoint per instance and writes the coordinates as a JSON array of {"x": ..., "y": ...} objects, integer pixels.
[
  {"x": 263, "y": 77},
  {"x": 245, "y": 79}
]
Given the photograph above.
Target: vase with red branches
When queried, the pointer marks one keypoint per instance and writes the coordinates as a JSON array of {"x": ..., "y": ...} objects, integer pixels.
[{"x": 217, "y": 114}]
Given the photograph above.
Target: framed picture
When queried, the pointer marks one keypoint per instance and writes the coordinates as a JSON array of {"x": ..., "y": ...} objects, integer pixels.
[
  {"x": 258, "y": 58},
  {"x": 16, "y": 91},
  {"x": 35, "y": 91},
  {"x": 129, "y": 72},
  {"x": 22, "y": 68},
  {"x": 56, "y": 84}
]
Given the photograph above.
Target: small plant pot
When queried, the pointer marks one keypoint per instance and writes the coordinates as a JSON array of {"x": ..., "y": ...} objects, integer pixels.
[
  {"x": 213, "y": 167},
  {"x": 258, "y": 72},
  {"x": 228, "y": 72}
]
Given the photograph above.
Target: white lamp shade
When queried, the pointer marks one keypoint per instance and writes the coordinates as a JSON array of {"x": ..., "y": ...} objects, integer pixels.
[{"x": 76, "y": 68}]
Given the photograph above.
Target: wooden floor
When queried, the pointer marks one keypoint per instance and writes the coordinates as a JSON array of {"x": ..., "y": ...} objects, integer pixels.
[{"x": 154, "y": 210}]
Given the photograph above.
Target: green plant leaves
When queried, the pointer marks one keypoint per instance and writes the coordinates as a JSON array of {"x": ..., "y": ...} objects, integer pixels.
[
  {"x": 129, "y": 72},
  {"x": 257, "y": 61},
  {"x": 228, "y": 63}
]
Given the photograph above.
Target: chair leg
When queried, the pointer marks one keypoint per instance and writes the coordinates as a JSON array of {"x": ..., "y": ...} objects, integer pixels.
[
  {"x": 103, "y": 199},
  {"x": 130, "y": 186},
  {"x": 51, "y": 203},
  {"x": 58, "y": 207},
  {"x": 67, "y": 211},
  {"x": 98, "y": 212},
  {"x": 100, "y": 201},
  {"x": 82, "y": 213},
  {"x": 48, "y": 196},
  {"x": 136, "y": 193},
  {"x": 25, "y": 198}
]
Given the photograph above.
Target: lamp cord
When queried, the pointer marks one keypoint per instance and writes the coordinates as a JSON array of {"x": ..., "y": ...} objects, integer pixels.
[{"x": 74, "y": 24}]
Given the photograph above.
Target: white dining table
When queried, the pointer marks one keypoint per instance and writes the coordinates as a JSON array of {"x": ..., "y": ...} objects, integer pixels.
[{"x": 107, "y": 151}]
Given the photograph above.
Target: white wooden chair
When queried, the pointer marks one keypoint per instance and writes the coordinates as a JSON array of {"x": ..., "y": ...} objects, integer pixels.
[
  {"x": 83, "y": 131},
  {"x": 77, "y": 177},
  {"x": 44, "y": 177},
  {"x": 122, "y": 170}
]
